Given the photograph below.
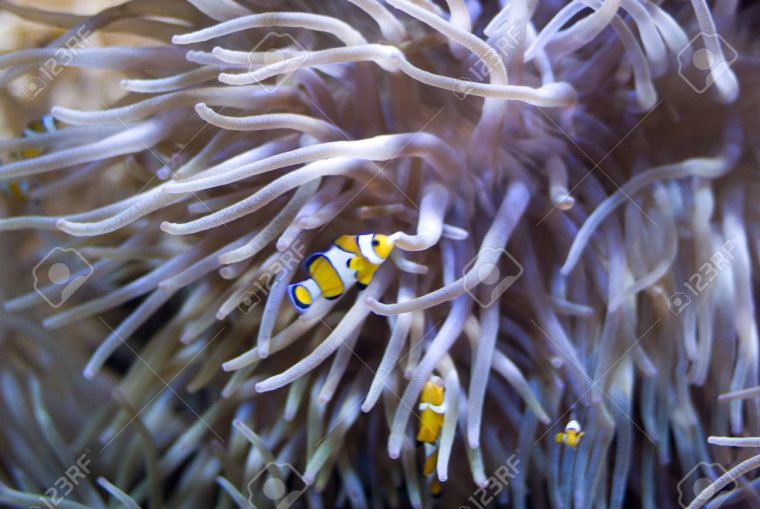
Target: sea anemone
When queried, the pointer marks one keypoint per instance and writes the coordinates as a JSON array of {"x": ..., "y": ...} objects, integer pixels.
[{"x": 569, "y": 188}]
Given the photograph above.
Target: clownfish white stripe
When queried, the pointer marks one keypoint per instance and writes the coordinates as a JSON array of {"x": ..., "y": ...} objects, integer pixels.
[
  {"x": 368, "y": 249},
  {"x": 49, "y": 122},
  {"x": 439, "y": 409},
  {"x": 46, "y": 124}
]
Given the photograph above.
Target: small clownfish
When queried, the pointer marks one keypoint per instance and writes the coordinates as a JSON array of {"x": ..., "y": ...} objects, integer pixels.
[
  {"x": 20, "y": 190},
  {"x": 432, "y": 411},
  {"x": 16, "y": 190},
  {"x": 46, "y": 124},
  {"x": 352, "y": 259},
  {"x": 572, "y": 434}
]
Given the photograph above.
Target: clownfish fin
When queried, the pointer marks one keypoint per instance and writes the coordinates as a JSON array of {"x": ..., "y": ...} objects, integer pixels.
[
  {"x": 302, "y": 295},
  {"x": 296, "y": 297},
  {"x": 435, "y": 488},
  {"x": 559, "y": 438}
]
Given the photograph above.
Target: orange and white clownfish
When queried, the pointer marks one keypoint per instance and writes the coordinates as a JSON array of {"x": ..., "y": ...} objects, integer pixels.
[
  {"x": 352, "y": 259},
  {"x": 432, "y": 412},
  {"x": 572, "y": 434},
  {"x": 19, "y": 190}
]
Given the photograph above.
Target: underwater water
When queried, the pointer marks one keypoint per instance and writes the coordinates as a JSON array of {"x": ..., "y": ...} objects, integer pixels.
[{"x": 379, "y": 253}]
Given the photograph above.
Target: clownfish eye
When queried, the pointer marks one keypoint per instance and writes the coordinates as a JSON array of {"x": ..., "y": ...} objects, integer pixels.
[{"x": 375, "y": 242}]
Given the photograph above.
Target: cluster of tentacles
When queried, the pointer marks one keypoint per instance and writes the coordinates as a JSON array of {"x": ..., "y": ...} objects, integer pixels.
[{"x": 557, "y": 143}]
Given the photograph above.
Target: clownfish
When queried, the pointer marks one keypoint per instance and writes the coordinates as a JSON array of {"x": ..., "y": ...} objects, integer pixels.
[
  {"x": 432, "y": 412},
  {"x": 47, "y": 124},
  {"x": 352, "y": 259},
  {"x": 16, "y": 190},
  {"x": 572, "y": 434}
]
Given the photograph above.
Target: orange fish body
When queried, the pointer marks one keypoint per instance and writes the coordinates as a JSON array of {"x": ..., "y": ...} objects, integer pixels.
[{"x": 432, "y": 413}]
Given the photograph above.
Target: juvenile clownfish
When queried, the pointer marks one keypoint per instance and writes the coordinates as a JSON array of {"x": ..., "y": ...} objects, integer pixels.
[
  {"x": 47, "y": 124},
  {"x": 432, "y": 411},
  {"x": 572, "y": 434},
  {"x": 352, "y": 259},
  {"x": 16, "y": 190}
]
